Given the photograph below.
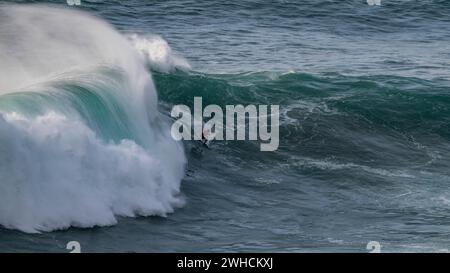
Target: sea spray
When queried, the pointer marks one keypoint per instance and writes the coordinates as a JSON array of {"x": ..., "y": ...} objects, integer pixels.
[{"x": 158, "y": 54}]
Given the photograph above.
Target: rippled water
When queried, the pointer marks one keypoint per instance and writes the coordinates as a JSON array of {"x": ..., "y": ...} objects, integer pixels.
[{"x": 364, "y": 137}]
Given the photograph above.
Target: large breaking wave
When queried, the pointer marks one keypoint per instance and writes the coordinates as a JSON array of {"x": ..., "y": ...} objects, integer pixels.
[{"x": 81, "y": 139}]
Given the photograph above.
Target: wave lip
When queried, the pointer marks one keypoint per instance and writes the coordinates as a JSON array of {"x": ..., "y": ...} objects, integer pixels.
[
  {"x": 70, "y": 75},
  {"x": 158, "y": 54}
]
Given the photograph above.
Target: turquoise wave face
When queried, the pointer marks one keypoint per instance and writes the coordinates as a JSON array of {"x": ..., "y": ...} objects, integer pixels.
[
  {"x": 333, "y": 118},
  {"x": 385, "y": 103},
  {"x": 95, "y": 105}
]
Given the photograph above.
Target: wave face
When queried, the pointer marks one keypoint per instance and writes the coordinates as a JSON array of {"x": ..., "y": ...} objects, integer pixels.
[
  {"x": 365, "y": 155},
  {"x": 81, "y": 139}
]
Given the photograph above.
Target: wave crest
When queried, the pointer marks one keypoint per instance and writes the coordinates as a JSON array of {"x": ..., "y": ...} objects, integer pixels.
[
  {"x": 158, "y": 53},
  {"x": 65, "y": 164}
]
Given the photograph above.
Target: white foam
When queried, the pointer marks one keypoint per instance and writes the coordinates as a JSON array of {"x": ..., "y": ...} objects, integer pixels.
[
  {"x": 330, "y": 165},
  {"x": 55, "y": 173},
  {"x": 158, "y": 53},
  {"x": 374, "y": 2}
]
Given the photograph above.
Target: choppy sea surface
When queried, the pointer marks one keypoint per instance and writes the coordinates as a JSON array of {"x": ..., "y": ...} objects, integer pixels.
[{"x": 86, "y": 153}]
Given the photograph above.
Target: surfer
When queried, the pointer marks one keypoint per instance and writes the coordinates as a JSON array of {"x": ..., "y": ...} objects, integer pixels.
[
  {"x": 204, "y": 137},
  {"x": 205, "y": 141}
]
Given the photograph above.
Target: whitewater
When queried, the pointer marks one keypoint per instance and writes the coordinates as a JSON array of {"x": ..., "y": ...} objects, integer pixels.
[{"x": 81, "y": 138}]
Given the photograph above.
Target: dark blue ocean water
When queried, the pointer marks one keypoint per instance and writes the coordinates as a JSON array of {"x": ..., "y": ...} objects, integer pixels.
[{"x": 364, "y": 94}]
